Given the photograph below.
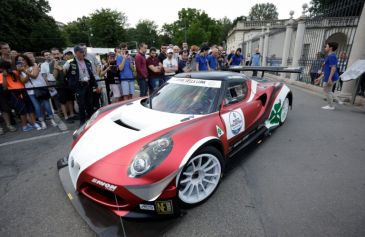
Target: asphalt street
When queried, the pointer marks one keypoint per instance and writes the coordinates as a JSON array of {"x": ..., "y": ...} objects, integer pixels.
[{"x": 306, "y": 179}]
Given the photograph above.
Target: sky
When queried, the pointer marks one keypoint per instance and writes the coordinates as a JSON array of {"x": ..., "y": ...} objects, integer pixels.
[{"x": 166, "y": 11}]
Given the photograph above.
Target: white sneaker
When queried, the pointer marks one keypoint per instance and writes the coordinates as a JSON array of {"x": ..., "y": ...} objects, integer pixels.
[
  {"x": 327, "y": 107},
  {"x": 340, "y": 102},
  {"x": 54, "y": 124},
  {"x": 43, "y": 124},
  {"x": 36, "y": 126}
]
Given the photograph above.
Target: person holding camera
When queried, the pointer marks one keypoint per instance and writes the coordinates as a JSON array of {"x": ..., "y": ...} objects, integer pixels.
[
  {"x": 125, "y": 66},
  {"x": 64, "y": 94},
  {"x": 81, "y": 80},
  {"x": 110, "y": 72},
  {"x": 38, "y": 93},
  {"x": 5, "y": 66}
]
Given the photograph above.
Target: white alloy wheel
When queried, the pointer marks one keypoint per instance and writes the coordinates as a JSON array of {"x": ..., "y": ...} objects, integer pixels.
[
  {"x": 284, "y": 110},
  {"x": 200, "y": 177}
]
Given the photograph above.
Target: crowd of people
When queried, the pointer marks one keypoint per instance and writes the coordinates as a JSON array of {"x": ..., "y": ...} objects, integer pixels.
[{"x": 31, "y": 90}]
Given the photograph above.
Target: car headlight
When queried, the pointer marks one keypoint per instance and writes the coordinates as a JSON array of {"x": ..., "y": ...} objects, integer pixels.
[{"x": 150, "y": 156}]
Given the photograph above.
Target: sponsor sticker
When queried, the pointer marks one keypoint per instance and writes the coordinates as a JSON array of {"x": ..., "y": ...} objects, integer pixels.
[
  {"x": 147, "y": 207},
  {"x": 219, "y": 131},
  {"x": 105, "y": 185},
  {"x": 235, "y": 122},
  {"x": 196, "y": 82},
  {"x": 164, "y": 207}
]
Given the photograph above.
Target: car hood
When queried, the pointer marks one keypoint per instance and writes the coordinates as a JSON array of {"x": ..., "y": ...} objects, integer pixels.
[{"x": 122, "y": 126}]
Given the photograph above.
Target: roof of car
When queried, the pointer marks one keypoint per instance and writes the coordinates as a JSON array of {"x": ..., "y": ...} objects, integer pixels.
[{"x": 216, "y": 75}]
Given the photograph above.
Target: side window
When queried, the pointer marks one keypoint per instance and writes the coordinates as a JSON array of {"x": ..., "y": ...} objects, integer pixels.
[{"x": 235, "y": 92}]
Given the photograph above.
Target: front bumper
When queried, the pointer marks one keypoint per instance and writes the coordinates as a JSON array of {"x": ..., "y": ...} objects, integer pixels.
[{"x": 104, "y": 221}]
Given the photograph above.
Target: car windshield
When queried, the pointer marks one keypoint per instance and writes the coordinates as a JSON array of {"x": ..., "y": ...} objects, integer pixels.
[{"x": 186, "y": 96}]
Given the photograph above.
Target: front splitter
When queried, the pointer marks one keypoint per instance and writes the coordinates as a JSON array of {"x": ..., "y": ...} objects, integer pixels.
[{"x": 103, "y": 221}]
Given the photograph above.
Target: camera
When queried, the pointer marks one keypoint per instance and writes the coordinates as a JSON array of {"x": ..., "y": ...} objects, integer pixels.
[{"x": 114, "y": 67}]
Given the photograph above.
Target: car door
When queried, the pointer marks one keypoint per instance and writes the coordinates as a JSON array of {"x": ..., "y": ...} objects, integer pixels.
[{"x": 237, "y": 112}]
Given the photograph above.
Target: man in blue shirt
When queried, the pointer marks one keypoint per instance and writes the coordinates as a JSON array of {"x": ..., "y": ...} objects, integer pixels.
[
  {"x": 256, "y": 60},
  {"x": 213, "y": 59},
  {"x": 330, "y": 74},
  {"x": 237, "y": 58},
  {"x": 202, "y": 59},
  {"x": 125, "y": 65}
]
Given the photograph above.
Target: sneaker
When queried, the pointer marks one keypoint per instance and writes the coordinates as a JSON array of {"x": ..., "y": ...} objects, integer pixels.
[
  {"x": 27, "y": 128},
  {"x": 43, "y": 125},
  {"x": 69, "y": 120},
  {"x": 11, "y": 128},
  {"x": 54, "y": 124},
  {"x": 327, "y": 107},
  {"x": 36, "y": 126},
  {"x": 340, "y": 102},
  {"x": 1, "y": 131}
]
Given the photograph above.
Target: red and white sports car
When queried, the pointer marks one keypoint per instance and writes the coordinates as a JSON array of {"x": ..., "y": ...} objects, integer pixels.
[{"x": 150, "y": 156}]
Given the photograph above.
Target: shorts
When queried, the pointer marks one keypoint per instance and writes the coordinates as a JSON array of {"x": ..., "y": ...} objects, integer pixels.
[
  {"x": 116, "y": 90},
  {"x": 65, "y": 94},
  {"x": 127, "y": 87}
]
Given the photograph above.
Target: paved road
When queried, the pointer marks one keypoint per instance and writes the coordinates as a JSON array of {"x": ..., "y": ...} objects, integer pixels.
[{"x": 307, "y": 179}]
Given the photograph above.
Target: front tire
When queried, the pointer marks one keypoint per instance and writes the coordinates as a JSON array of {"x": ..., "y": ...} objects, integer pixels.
[{"x": 200, "y": 176}]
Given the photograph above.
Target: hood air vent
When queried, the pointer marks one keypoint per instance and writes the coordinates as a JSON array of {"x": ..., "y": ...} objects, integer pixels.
[{"x": 120, "y": 123}]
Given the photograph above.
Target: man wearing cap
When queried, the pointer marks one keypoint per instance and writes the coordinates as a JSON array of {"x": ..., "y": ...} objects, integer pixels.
[
  {"x": 81, "y": 80},
  {"x": 170, "y": 65}
]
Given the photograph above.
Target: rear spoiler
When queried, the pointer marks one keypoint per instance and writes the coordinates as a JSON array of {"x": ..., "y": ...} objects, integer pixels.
[{"x": 265, "y": 69}]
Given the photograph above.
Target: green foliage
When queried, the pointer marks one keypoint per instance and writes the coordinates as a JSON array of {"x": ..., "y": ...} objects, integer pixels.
[
  {"x": 196, "y": 27},
  {"x": 145, "y": 31},
  {"x": 26, "y": 26},
  {"x": 103, "y": 28},
  {"x": 263, "y": 11}
]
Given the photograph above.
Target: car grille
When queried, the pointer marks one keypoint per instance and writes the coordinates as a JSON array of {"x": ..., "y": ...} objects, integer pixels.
[{"x": 104, "y": 197}]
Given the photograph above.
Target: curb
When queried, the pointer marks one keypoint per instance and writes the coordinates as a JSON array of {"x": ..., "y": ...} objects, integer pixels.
[{"x": 359, "y": 101}]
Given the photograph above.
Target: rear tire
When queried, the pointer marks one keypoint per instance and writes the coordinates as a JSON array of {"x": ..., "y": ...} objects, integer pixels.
[
  {"x": 284, "y": 111},
  {"x": 200, "y": 177}
]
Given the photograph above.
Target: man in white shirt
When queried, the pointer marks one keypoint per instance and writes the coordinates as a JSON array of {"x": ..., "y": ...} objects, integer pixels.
[{"x": 170, "y": 65}]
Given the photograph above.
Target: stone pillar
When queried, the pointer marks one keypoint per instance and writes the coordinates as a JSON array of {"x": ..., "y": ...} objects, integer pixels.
[
  {"x": 287, "y": 42},
  {"x": 261, "y": 44},
  {"x": 357, "y": 52},
  {"x": 299, "y": 39},
  {"x": 266, "y": 46}
]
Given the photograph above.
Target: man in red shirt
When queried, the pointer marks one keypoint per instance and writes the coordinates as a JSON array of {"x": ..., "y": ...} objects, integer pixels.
[
  {"x": 155, "y": 70},
  {"x": 141, "y": 68}
]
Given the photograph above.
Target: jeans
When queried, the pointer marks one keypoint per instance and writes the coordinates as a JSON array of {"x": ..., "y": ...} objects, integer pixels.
[
  {"x": 154, "y": 83},
  {"x": 38, "y": 105},
  {"x": 143, "y": 86}
]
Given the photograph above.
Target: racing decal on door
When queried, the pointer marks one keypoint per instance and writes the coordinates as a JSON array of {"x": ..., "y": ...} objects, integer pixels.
[
  {"x": 276, "y": 110},
  {"x": 235, "y": 122},
  {"x": 219, "y": 131}
]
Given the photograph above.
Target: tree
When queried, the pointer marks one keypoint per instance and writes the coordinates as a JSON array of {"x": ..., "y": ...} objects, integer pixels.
[
  {"x": 335, "y": 8},
  {"x": 146, "y": 32},
  {"x": 263, "y": 12},
  {"x": 26, "y": 26},
  {"x": 107, "y": 28},
  {"x": 78, "y": 31},
  {"x": 196, "y": 27}
]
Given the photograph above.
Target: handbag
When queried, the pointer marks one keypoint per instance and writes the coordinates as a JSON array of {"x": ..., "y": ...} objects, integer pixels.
[{"x": 41, "y": 93}]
